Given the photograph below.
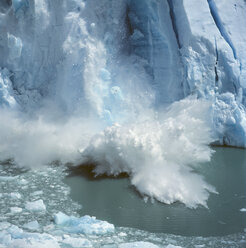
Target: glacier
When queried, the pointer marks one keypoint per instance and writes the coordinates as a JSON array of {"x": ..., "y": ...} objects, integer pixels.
[{"x": 136, "y": 86}]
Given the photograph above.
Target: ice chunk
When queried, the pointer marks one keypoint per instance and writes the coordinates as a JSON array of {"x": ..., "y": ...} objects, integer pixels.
[
  {"x": 15, "y": 195},
  {"x": 39, "y": 192},
  {"x": 77, "y": 242},
  {"x": 15, "y": 237},
  {"x": 229, "y": 120},
  {"x": 33, "y": 225},
  {"x": 23, "y": 182},
  {"x": 4, "y": 225},
  {"x": 85, "y": 224},
  {"x": 140, "y": 244},
  {"x": 6, "y": 178},
  {"x": 173, "y": 246},
  {"x": 35, "y": 206},
  {"x": 61, "y": 218},
  {"x": 15, "y": 210}
]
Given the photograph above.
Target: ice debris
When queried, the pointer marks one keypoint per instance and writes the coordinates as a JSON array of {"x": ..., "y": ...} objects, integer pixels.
[
  {"x": 15, "y": 210},
  {"x": 33, "y": 225},
  {"x": 35, "y": 206},
  {"x": 138, "y": 245},
  {"x": 85, "y": 225}
]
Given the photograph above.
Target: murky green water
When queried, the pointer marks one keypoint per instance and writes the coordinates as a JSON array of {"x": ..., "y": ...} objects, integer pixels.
[{"x": 117, "y": 202}]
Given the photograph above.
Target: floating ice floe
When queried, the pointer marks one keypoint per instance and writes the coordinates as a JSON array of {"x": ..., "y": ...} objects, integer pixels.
[
  {"x": 36, "y": 193},
  {"x": 77, "y": 242},
  {"x": 6, "y": 178},
  {"x": 15, "y": 210},
  {"x": 173, "y": 246},
  {"x": 85, "y": 225},
  {"x": 14, "y": 237},
  {"x": 33, "y": 225},
  {"x": 15, "y": 195},
  {"x": 35, "y": 206},
  {"x": 138, "y": 245}
]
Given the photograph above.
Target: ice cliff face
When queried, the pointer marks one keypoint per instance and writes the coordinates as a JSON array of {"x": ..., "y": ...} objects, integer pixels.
[
  {"x": 67, "y": 50},
  {"x": 211, "y": 38},
  {"x": 196, "y": 47},
  {"x": 135, "y": 67}
]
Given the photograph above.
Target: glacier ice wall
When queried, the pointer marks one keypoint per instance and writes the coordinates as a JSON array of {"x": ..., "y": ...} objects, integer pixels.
[
  {"x": 85, "y": 80},
  {"x": 73, "y": 52},
  {"x": 213, "y": 59},
  {"x": 152, "y": 39}
]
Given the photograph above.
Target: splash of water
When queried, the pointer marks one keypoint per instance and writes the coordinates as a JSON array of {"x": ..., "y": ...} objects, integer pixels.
[{"x": 100, "y": 104}]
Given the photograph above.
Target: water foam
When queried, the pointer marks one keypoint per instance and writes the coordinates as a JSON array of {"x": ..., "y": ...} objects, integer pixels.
[
  {"x": 158, "y": 150},
  {"x": 159, "y": 154}
]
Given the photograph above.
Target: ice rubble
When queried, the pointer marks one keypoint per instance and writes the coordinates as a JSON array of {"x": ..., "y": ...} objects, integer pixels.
[
  {"x": 138, "y": 245},
  {"x": 14, "y": 236},
  {"x": 35, "y": 206},
  {"x": 32, "y": 225},
  {"x": 85, "y": 224},
  {"x": 51, "y": 228},
  {"x": 38, "y": 230}
]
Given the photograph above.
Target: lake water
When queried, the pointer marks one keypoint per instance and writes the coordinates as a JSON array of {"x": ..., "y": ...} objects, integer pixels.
[{"x": 117, "y": 202}]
